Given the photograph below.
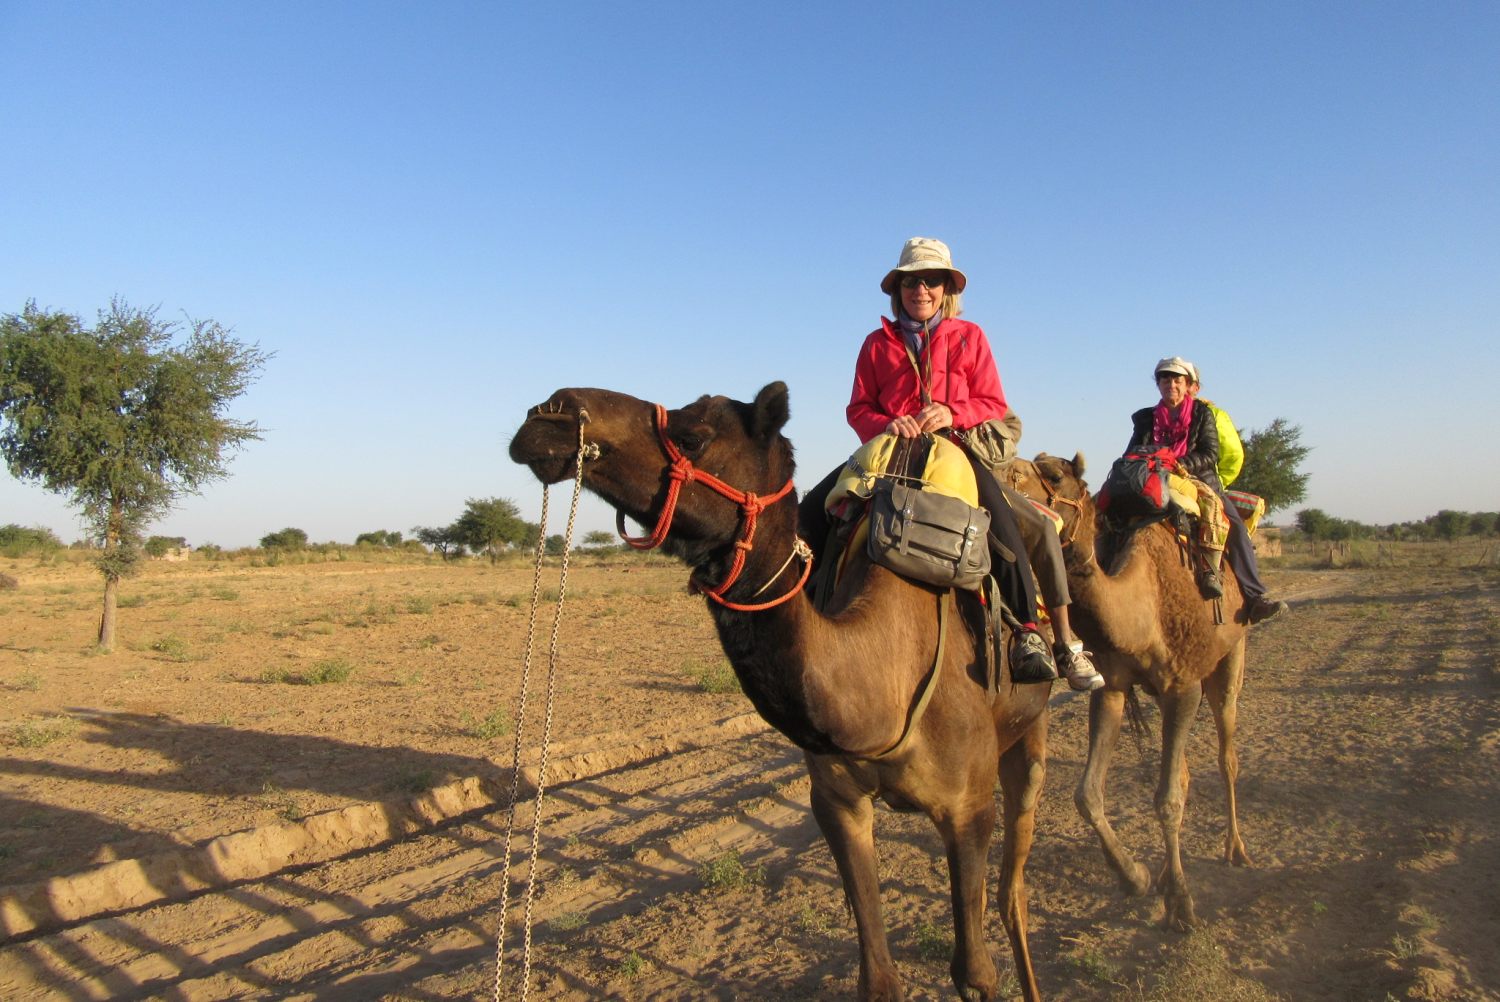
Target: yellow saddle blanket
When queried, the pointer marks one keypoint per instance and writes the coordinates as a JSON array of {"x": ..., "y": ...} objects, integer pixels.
[{"x": 948, "y": 471}]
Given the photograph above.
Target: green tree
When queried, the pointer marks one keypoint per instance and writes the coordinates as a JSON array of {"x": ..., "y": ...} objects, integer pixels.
[
  {"x": 286, "y": 539},
  {"x": 380, "y": 537},
  {"x": 1273, "y": 457},
  {"x": 441, "y": 538},
  {"x": 16, "y": 540},
  {"x": 598, "y": 539},
  {"x": 1314, "y": 523},
  {"x": 125, "y": 418},
  {"x": 1449, "y": 525},
  {"x": 157, "y": 546},
  {"x": 489, "y": 525}
]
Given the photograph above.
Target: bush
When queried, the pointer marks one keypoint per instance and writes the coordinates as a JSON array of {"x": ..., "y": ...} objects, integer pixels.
[
  {"x": 18, "y": 541},
  {"x": 286, "y": 539}
]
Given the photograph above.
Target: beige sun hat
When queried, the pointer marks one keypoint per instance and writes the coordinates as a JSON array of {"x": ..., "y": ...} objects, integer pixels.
[
  {"x": 923, "y": 254},
  {"x": 1177, "y": 364}
]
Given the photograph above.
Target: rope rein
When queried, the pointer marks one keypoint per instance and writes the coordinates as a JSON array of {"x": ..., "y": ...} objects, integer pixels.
[{"x": 584, "y": 452}]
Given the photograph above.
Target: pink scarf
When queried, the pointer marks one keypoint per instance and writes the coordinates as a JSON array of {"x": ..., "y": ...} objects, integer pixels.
[{"x": 1171, "y": 430}]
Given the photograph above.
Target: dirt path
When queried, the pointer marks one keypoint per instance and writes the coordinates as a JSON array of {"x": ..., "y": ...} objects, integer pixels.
[{"x": 1370, "y": 749}]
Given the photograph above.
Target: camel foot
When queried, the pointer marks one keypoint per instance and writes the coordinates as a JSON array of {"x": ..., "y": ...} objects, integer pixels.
[
  {"x": 1180, "y": 917},
  {"x": 977, "y": 982},
  {"x": 1235, "y": 855},
  {"x": 886, "y": 988},
  {"x": 1135, "y": 879}
]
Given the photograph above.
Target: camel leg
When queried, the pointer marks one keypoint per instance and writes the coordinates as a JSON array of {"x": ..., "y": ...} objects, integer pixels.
[
  {"x": 1178, "y": 707},
  {"x": 847, "y": 824},
  {"x": 1023, "y": 768},
  {"x": 967, "y": 834},
  {"x": 1223, "y": 691},
  {"x": 1106, "y": 708}
]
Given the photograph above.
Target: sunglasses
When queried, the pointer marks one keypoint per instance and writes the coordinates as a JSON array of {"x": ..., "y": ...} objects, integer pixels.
[{"x": 930, "y": 281}]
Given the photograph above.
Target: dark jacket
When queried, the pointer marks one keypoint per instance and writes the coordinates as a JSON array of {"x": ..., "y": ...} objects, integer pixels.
[{"x": 1202, "y": 458}]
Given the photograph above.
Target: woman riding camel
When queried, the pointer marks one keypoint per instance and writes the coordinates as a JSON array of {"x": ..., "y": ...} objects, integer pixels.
[
  {"x": 1187, "y": 426},
  {"x": 927, "y": 371}
]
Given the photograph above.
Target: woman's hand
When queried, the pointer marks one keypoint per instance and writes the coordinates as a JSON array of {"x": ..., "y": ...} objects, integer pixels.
[{"x": 933, "y": 417}]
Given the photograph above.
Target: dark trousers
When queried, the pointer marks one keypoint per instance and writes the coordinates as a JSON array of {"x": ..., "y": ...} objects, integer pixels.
[
  {"x": 1016, "y": 584},
  {"x": 1241, "y": 553}
]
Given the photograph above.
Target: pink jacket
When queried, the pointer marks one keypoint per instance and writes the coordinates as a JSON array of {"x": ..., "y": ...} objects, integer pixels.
[{"x": 960, "y": 372}]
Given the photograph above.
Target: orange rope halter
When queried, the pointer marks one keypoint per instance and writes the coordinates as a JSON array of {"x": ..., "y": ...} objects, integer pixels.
[{"x": 680, "y": 471}]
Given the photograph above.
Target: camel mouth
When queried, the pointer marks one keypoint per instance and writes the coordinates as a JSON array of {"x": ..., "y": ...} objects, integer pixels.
[{"x": 547, "y": 444}]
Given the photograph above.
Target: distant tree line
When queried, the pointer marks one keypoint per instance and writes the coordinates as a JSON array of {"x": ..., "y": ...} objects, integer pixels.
[{"x": 1315, "y": 523}]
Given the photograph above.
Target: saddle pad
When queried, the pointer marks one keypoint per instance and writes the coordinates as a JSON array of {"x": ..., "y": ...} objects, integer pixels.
[{"x": 948, "y": 471}]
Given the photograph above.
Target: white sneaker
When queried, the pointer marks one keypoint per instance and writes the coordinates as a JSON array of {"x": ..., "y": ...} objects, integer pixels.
[{"x": 1073, "y": 661}]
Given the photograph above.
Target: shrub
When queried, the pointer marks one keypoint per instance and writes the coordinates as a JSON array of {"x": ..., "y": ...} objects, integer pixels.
[
  {"x": 728, "y": 873},
  {"x": 18, "y": 541}
]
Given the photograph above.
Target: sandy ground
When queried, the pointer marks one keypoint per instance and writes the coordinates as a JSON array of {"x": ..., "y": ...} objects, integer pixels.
[{"x": 677, "y": 856}]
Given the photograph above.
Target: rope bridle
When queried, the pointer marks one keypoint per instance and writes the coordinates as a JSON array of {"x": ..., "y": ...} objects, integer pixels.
[
  {"x": 1053, "y": 499},
  {"x": 680, "y": 470}
]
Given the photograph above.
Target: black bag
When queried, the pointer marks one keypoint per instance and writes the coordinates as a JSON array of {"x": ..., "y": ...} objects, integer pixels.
[
  {"x": 1136, "y": 489},
  {"x": 928, "y": 536}
]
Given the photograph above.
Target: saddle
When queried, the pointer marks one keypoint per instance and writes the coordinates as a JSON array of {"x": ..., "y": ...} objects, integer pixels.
[{"x": 912, "y": 504}]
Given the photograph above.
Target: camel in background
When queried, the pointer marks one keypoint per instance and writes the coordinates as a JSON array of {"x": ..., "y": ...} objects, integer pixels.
[
  {"x": 844, "y": 685},
  {"x": 1148, "y": 626}
]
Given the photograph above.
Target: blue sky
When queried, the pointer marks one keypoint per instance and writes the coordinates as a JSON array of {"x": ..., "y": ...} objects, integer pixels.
[{"x": 436, "y": 214}]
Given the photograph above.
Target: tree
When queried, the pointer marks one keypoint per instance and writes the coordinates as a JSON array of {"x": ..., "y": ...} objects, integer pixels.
[
  {"x": 1314, "y": 523},
  {"x": 16, "y": 540},
  {"x": 157, "y": 546},
  {"x": 488, "y": 525},
  {"x": 125, "y": 418},
  {"x": 380, "y": 537},
  {"x": 1272, "y": 458},
  {"x": 441, "y": 539},
  {"x": 1449, "y": 524},
  {"x": 599, "y": 539},
  {"x": 286, "y": 539}
]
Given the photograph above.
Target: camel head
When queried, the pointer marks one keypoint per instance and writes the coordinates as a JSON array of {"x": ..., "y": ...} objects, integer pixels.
[
  {"x": 628, "y": 465},
  {"x": 1067, "y": 493}
]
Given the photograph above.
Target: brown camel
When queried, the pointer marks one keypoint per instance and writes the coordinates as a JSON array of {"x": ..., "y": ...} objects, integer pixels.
[
  {"x": 1148, "y": 626},
  {"x": 843, "y": 684}
]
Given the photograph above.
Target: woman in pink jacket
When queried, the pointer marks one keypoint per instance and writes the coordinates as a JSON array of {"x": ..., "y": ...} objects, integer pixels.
[{"x": 928, "y": 371}]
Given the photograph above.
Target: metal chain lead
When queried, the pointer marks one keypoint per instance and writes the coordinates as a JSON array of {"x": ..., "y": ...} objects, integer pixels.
[{"x": 515, "y": 776}]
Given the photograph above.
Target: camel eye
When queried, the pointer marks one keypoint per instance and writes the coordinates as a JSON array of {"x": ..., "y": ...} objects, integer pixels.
[{"x": 692, "y": 441}]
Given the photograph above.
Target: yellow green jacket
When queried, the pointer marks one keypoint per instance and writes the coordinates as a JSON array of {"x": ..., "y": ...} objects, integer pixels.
[{"x": 1231, "y": 449}]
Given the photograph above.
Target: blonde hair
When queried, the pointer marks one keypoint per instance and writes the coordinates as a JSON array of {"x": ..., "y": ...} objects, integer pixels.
[{"x": 953, "y": 302}]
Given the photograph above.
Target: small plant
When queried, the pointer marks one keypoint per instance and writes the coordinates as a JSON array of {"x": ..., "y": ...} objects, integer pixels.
[
  {"x": 811, "y": 919},
  {"x": 933, "y": 944},
  {"x": 496, "y": 725},
  {"x": 172, "y": 646},
  {"x": 283, "y": 802},
  {"x": 327, "y": 672},
  {"x": 130, "y": 601},
  {"x": 568, "y": 921},
  {"x": 275, "y": 676},
  {"x": 1404, "y": 948},
  {"x": 39, "y": 733},
  {"x": 419, "y": 605},
  {"x": 1319, "y": 908},
  {"x": 1093, "y": 963},
  {"x": 728, "y": 873},
  {"x": 717, "y": 678},
  {"x": 410, "y": 678},
  {"x": 634, "y": 965},
  {"x": 30, "y": 682}
]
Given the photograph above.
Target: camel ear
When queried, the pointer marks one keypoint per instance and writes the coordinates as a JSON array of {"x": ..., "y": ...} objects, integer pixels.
[
  {"x": 1078, "y": 464},
  {"x": 771, "y": 411}
]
